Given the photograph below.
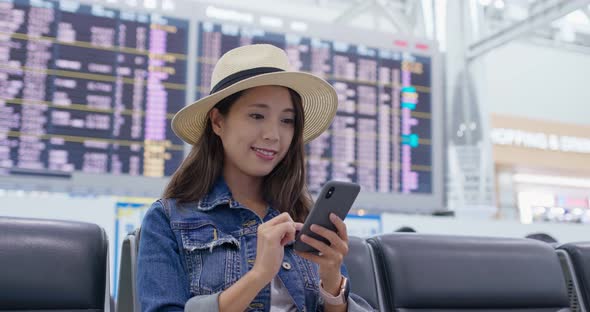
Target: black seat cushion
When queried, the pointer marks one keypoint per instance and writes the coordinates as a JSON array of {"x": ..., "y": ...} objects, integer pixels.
[
  {"x": 47, "y": 264},
  {"x": 580, "y": 255},
  {"x": 444, "y": 273},
  {"x": 360, "y": 270}
]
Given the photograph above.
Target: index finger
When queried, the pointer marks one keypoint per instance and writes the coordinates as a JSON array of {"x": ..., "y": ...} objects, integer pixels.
[
  {"x": 340, "y": 226},
  {"x": 298, "y": 226}
]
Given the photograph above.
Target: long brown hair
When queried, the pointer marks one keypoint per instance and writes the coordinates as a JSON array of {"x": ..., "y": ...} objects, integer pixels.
[{"x": 284, "y": 187}]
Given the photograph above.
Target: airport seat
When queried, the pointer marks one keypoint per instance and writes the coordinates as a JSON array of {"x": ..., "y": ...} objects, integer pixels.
[
  {"x": 48, "y": 265},
  {"x": 360, "y": 266},
  {"x": 575, "y": 259},
  {"x": 435, "y": 273},
  {"x": 127, "y": 300}
]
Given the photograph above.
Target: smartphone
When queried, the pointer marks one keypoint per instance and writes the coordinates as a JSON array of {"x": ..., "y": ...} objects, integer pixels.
[{"x": 336, "y": 197}]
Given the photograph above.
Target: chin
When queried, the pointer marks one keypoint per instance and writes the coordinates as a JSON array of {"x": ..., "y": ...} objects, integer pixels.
[{"x": 260, "y": 172}]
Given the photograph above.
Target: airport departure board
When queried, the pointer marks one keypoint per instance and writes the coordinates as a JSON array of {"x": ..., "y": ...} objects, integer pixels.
[
  {"x": 381, "y": 136},
  {"x": 90, "y": 89}
]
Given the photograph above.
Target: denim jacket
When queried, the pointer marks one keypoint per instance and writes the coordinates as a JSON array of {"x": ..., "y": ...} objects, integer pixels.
[{"x": 190, "y": 252}]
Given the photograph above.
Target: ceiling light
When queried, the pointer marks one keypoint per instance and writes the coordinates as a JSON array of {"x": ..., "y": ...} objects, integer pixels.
[
  {"x": 577, "y": 17},
  {"x": 499, "y": 4}
]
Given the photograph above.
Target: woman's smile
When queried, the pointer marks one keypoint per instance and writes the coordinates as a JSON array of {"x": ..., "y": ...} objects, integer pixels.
[{"x": 266, "y": 154}]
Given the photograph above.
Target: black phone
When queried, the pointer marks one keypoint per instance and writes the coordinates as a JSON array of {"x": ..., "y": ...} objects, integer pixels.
[{"x": 336, "y": 197}]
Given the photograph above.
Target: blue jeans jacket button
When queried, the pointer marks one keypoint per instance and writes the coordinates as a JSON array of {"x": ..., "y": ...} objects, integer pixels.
[{"x": 286, "y": 265}]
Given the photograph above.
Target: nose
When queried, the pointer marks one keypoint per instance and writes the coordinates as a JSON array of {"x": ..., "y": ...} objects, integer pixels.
[{"x": 271, "y": 132}]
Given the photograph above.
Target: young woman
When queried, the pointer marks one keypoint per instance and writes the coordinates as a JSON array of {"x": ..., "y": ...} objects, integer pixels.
[{"x": 221, "y": 238}]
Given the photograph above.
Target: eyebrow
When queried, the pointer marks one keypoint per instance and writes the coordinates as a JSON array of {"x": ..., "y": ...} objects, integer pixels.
[{"x": 262, "y": 105}]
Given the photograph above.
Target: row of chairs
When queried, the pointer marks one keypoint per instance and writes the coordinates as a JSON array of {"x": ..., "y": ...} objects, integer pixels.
[
  {"x": 427, "y": 273},
  {"x": 63, "y": 266},
  {"x": 409, "y": 272}
]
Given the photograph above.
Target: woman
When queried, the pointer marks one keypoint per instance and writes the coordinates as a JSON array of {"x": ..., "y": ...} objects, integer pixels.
[{"x": 221, "y": 238}]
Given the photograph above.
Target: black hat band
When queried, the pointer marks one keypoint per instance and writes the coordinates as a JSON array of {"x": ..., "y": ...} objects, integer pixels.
[{"x": 241, "y": 75}]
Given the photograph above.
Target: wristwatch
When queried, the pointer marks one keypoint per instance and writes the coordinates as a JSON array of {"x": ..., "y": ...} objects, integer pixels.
[{"x": 342, "y": 296}]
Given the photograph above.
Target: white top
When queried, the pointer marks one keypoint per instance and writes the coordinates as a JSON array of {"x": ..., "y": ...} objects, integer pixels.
[{"x": 280, "y": 299}]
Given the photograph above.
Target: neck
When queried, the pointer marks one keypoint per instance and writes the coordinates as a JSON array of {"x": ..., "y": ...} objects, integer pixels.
[{"x": 247, "y": 190}]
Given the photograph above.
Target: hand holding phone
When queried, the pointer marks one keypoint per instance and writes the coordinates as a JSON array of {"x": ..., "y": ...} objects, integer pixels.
[{"x": 336, "y": 197}]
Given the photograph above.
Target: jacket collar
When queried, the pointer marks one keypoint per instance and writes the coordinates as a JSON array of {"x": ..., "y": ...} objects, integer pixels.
[{"x": 220, "y": 194}]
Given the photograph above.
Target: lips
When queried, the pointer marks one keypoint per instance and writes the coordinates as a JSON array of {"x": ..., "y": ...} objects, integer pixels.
[{"x": 264, "y": 153}]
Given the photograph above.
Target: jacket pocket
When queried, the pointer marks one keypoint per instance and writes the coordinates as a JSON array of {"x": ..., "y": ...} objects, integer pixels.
[{"x": 212, "y": 257}]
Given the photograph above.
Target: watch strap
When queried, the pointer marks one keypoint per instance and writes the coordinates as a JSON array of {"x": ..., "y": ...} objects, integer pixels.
[{"x": 342, "y": 295}]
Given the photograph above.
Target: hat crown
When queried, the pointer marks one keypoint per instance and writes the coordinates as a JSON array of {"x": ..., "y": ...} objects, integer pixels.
[{"x": 248, "y": 57}]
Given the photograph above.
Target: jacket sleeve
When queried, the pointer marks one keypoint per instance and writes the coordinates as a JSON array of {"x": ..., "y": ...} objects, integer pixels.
[
  {"x": 358, "y": 304},
  {"x": 355, "y": 302},
  {"x": 205, "y": 303},
  {"x": 162, "y": 282}
]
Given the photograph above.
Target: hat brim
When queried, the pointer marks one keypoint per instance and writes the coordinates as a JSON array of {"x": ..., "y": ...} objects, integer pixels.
[{"x": 319, "y": 101}]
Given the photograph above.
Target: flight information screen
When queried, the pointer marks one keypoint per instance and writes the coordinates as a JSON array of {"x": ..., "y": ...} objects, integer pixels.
[
  {"x": 381, "y": 136},
  {"x": 90, "y": 89}
]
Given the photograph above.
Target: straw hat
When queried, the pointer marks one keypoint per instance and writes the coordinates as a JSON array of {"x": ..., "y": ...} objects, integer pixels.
[{"x": 259, "y": 65}]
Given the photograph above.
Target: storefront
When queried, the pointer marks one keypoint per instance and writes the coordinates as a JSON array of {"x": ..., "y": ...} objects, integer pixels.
[{"x": 542, "y": 169}]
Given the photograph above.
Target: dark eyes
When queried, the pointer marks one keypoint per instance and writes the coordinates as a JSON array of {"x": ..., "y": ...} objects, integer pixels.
[{"x": 257, "y": 116}]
